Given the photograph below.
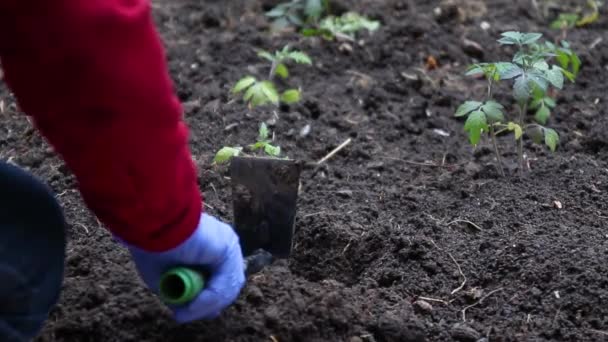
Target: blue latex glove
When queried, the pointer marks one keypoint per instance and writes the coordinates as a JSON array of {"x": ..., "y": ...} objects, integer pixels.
[{"x": 213, "y": 245}]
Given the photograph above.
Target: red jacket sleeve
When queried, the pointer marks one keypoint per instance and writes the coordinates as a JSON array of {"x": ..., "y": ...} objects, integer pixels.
[{"x": 92, "y": 74}]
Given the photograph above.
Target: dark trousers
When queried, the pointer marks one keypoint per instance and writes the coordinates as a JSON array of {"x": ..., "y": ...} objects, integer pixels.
[{"x": 32, "y": 253}]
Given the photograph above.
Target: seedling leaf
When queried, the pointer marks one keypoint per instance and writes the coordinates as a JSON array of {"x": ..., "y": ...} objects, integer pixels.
[
  {"x": 508, "y": 70},
  {"x": 493, "y": 112},
  {"x": 266, "y": 55},
  {"x": 551, "y": 138},
  {"x": 521, "y": 88},
  {"x": 539, "y": 79},
  {"x": 510, "y": 38},
  {"x": 542, "y": 115},
  {"x": 576, "y": 63},
  {"x": 274, "y": 151},
  {"x": 290, "y": 96},
  {"x": 555, "y": 77},
  {"x": 269, "y": 90},
  {"x": 549, "y": 102},
  {"x": 530, "y": 38},
  {"x": 258, "y": 145},
  {"x": 299, "y": 57},
  {"x": 226, "y": 153},
  {"x": 516, "y": 129},
  {"x": 314, "y": 9},
  {"x": 467, "y": 107},
  {"x": 476, "y": 124},
  {"x": 263, "y": 132},
  {"x": 282, "y": 70},
  {"x": 243, "y": 84}
]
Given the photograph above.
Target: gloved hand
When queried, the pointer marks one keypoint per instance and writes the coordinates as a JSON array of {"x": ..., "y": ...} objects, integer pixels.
[{"x": 215, "y": 246}]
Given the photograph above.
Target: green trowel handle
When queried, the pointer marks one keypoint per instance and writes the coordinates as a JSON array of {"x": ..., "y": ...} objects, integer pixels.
[{"x": 181, "y": 285}]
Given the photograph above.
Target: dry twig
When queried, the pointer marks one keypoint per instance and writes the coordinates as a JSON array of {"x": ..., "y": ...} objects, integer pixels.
[
  {"x": 605, "y": 333},
  {"x": 464, "y": 311},
  {"x": 464, "y": 281},
  {"x": 334, "y": 151},
  {"x": 466, "y": 221}
]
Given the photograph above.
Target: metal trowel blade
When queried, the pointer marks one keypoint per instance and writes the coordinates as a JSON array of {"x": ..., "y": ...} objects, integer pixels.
[{"x": 264, "y": 194}]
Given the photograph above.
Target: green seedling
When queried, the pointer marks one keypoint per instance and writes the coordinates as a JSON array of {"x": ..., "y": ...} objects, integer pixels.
[
  {"x": 535, "y": 79},
  {"x": 568, "y": 21},
  {"x": 343, "y": 27},
  {"x": 298, "y": 13},
  {"x": 261, "y": 92},
  {"x": 263, "y": 144}
]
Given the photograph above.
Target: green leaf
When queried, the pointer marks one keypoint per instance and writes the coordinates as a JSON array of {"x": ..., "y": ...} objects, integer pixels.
[
  {"x": 290, "y": 96},
  {"x": 570, "y": 76},
  {"x": 538, "y": 94},
  {"x": 565, "y": 20},
  {"x": 536, "y": 103},
  {"x": 280, "y": 24},
  {"x": 542, "y": 115},
  {"x": 539, "y": 80},
  {"x": 244, "y": 83},
  {"x": 277, "y": 11},
  {"x": 299, "y": 57},
  {"x": 576, "y": 63},
  {"x": 258, "y": 145},
  {"x": 508, "y": 70},
  {"x": 474, "y": 70},
  {"x": 346, "y": 25},
  {"x": 551, "y": 138},
  {"x": 529, "y": 38},
  {"x": 549, "y": 102},
  {"x": 274, "y": 151},
  {"x": 467, "y": 107},
  {"x": 295, "y": 19},
  {"x": 541, "y": 65},
  {"x": 536, "y": 134},
  {"x": 563, "y": 59},
  {"x": 270, "y": 91},
  {"x": 266, "y": 55},
  {"x": 516, "y": 129},
  {"x": 510, "y": 38},
  {"x": 314, "y": 9},
  {"x": 555, "y": 77},
  {"x": 225, "y": 153},
  {"x": 311, "y": 32},
  {"x": 282, "y": 71},
  {"x": 263, "y": 132},
  {"x": 521, "y": 89},
  {"x": 493, "y": 112},
  {"x": 476, "y": 124}
]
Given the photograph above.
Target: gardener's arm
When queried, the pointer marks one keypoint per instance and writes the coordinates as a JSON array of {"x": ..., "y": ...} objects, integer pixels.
[{"x": 93, "y": 76}]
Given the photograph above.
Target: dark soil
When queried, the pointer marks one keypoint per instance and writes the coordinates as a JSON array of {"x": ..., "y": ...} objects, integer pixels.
[{"x": 383, "y": 245}]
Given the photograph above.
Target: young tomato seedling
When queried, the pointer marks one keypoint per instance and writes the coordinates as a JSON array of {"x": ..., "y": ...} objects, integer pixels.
[
  {"x": 263, "y": 144},
  {"x": 261, "y": 92},
  {"x": 298, "y": 13},
  {"x": 343, "y": 27},
  {"x": 534, "y": 79},
  {"x": 567, "y": 21}
]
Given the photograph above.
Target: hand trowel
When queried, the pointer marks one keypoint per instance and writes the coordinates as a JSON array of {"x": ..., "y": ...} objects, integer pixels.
[{"x": 264, "y": 196}]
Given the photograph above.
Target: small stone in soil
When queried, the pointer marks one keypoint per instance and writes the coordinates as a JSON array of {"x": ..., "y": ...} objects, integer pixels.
[
  {"x": 423, "y": 306},
  {"x": 255, "y": 295},
  {"x": 345, "y": 193},
  {"x": 305, "y": 131},
  {"x": 272, "y": 315},
  {"x": 472, "y": 48},
  {"x": 464, "y": 333}
]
